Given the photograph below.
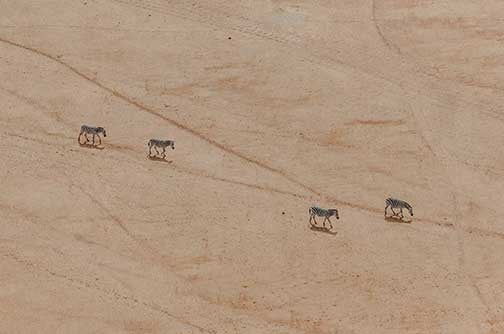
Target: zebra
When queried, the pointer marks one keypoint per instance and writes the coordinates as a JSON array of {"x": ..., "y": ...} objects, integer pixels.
[
  {"x": 397, "y": 204},
  {"x": 316, "y": 211},
  {"x": 161, "y": 144},
  {"x": 91, "y": 130}
]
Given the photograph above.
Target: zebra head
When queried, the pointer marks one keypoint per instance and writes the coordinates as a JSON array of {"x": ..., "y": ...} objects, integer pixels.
[
  {"x": 410, "y": 209},
  {"x": 100, "y": 129},
  {"x": 334, "y": 212},
  {"x": 173, "y": 145}
]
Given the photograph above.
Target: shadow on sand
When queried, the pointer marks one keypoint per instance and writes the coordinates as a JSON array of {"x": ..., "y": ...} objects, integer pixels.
[
  {"x": 397, "y": 220},
  {"x": 91, "y": 146},
  {"x": 156, "y": 158},
  {"x": 322, "y": 229}
]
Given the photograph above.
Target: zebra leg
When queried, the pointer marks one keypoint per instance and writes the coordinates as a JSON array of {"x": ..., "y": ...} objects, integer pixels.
[
  {"x": 395, "y": 214},
  {"x": 150, "y": 151},
  {"x": 164, "y": 152},
  {"x": 155, "y": 149},
  {"x": 93, "y": 138},
  {"x": 87, "y": 138},
  {"x": 386, "y": 210},
  {"x": 323, "y": 223},
  {"x": 310, "y": 220},
  {"x": 315, "y": 220},
  {"x": 330, "y": 224},
  {"x": 402, "y": 215},
  {"x": 99, "y": 139},
  {"x": 79, "y": 138}
]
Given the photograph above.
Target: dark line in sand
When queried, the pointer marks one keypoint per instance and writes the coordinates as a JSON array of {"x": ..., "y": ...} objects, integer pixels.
[
  {"x": 375, "y": 122},
  {"x": 384, "y": 39}
]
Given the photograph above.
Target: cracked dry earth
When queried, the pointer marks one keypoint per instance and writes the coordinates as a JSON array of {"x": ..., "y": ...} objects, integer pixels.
[{"x": 275, "y": 106}]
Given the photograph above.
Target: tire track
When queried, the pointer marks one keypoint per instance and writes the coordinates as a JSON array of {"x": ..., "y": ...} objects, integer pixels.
[
  {"x": 198, "y": 13},
  {"x": 105, "y": 210},
  {"x": 384, "y": 38},
  {"x": 244, "y": 184}
]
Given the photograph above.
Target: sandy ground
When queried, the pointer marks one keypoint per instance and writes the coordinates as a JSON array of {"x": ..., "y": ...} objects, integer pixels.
[{"x": 274, "y": 106}]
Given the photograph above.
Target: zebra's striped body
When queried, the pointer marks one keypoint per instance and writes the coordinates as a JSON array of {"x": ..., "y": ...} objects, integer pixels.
[
  {"x": 91, "y": 130},
  {"x": 397, "y": 204},
  {"x": 326, "y": 213},
  {"x": 163, "y": 144}
]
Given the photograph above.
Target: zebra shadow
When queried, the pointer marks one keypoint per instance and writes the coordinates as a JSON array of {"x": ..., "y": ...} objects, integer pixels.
[
  {"x": 158, "y": 158},
  {"x": 91, "y": 146},
  {"x": 397, "y": 220},
  {"x": 322, "y": 229}
]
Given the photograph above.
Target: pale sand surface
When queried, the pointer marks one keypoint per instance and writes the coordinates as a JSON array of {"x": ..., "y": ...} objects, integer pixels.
[{"x": 335, "y": 103}]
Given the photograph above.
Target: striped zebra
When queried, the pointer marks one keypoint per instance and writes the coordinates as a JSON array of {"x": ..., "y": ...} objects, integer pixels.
[
  {"x": 316, "y": 211},
  {"x": 397, "y": 204},
  {"x": 91, "y": 130},
  {"x": 163, "y": 144}
]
